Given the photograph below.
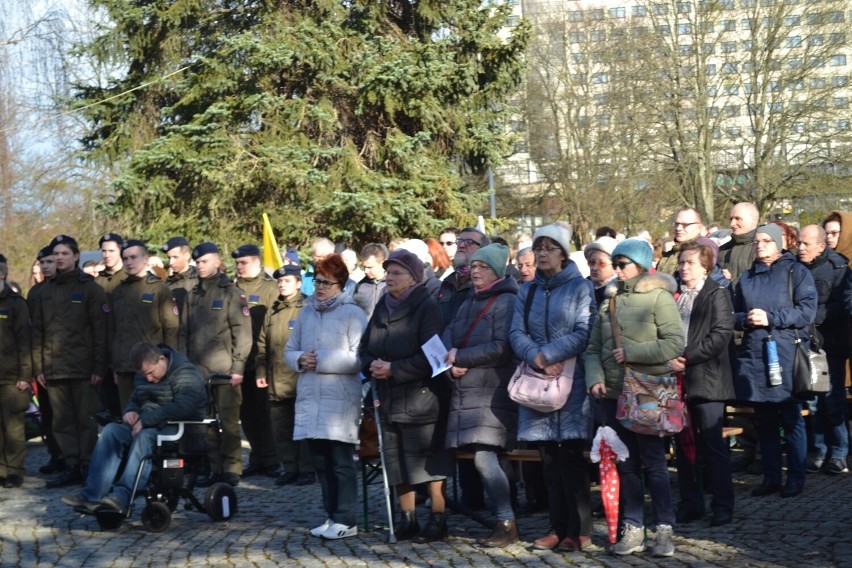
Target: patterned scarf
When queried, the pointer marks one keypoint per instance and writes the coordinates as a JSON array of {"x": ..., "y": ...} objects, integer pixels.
[{"x": 685, "y": 302}]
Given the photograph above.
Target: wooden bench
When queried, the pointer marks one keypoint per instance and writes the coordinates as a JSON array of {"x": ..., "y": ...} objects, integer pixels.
[{"x": 741, "y": 410}]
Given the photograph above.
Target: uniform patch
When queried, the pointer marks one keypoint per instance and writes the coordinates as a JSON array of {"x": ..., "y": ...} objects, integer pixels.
[
  {"x": 291, "y": 324},
  {"x": 147, "y": 298},
  {"x": 77, "y": 298},
  {"x": 246, "y": 311},
  {"x": 254, "y": 299},
  {"x": 4, "y": 314},
  {"x": 106, "y": 308},
  {"x": 218, "y": 304}
]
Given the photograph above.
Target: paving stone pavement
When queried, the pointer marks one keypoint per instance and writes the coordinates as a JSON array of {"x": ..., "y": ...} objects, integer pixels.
[{"x": 271, "y": 529}]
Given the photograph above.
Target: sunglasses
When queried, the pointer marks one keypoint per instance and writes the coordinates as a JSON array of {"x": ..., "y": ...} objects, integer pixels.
[
  {"x": 622, "y": 264},
  {"x": 600, "y": 264}
]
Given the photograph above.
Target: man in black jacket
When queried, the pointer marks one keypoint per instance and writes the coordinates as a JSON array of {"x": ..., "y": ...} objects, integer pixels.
[
  {"x": 168, "y": 388},
  {"x": 832, "y": 277}
]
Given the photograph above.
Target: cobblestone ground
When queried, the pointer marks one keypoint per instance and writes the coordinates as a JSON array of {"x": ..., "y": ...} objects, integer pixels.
[{"x": 271, "y": 529}]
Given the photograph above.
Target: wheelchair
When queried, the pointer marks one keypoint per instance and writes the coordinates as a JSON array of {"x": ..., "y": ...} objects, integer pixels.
[{"x": 175, "y": 463}]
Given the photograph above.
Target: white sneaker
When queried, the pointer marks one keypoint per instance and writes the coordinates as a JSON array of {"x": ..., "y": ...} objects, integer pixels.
[
  {"x": 336, "y": 531},
  {"x": 317, "y": 531}
]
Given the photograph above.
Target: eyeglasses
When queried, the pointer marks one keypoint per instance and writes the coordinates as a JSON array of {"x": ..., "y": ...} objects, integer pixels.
[
  {"x": 467, "y": 242},
  {"x": 600, "y": 264},
  {"x": 547, "y": 250},
  {"x": 448, "y": 243},
  {"x": 684, "y": 225},
  {"x": 622, "y": 264},
  {"x": 323, "y": 283}
]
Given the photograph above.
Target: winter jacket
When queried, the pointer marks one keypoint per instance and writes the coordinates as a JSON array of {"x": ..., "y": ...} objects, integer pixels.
[
  {"x": 711, "y": 330},
  {"x": 179, "y": 395},
  {"x": 215, "y": 329},
  {"x": 481, "y": 411},
  {"x": 143, "y": 311},
  {"x": 766, "y": 287},
  {"x": 844, "y": 240},
  {"x": 367, "y": 294},
  {"x": 259, "y": 293},
  {"x": 737, "y": 255},
  {"x": 328, "y": 398},
  {"x": 16, "y": 362},
  {"x": 181, "y": 284},
  {"x": 451, "y": 295},
  {"x": 109, "y": 281},
  {"x": 651, "y": 332},
  {"x": 832, "y": 277},
  {"x": 69, "y": 328},
  {"x": 280, "y": 321},
  {"x": 558, "y": 325},
  {"x": 411, "y": 395}
]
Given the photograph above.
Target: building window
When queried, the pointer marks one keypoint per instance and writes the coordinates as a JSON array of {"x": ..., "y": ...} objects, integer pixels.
[
  {"x": 746, "y": 4},
  {"x": 710, "y": 70},
  {"x": 839, "y": 81},
  {"x": 793, "y": 20},
  {"x": 816, "y": 40},
  {"x": 729, "y": 25},
  {"x": 577, "y": 37},
  {"x": 837, "y": 38},
  {"x": 732, "y": 111},
  {"x": 816, "y": 62},
  {"x": 840, "y": 102},
  {"x": 729, "y": 47},
  {"x": 575, "y": 16},
  {"x": 794, "y": 62},
  {"x": 818, "y": 82},
  {"x": 733, "y": 132},
  {"x": 798, "y": 128},
  {"x": 837, "y": 60},
  {"x": 814, "y": 19},
  {"x": 729, "y": 68},
  {"x": 684, "y": 7},
  {"x": 709, "y": 48},
  {"x": 797, "y": 85},
  {"x": 597, "y": 14},
  {"x": 746, "y": 45},
  {"x": 620, "y": 12},
  {"x": 836, "y": 17},
  {"x": 842, "y": 124},
  {"x": 712, "y": 112},
  {"x": 746, "y": 24},
  {"x": 600, "y": 78},
  {"x": 732, "y": 89},
  {"x": 639, "y": 11},
  {"x": 726, "y": 4},
  {"x": 684, "y": 29},
  {"x": 685, "y": 49},
  {"x": 597, "y": 35},
  {"x": 661, "y": 9},
  {"x": 664, "y": 29},
  {"x": 794, "y": 41},
  {"x": 708, "y": 27},
  {"x": 776, "y": 107}
]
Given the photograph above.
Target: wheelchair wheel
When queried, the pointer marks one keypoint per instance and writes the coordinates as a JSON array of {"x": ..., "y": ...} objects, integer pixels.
[
  {"x": 220, "y": 502},
  {"x": 156, "y": 517}
]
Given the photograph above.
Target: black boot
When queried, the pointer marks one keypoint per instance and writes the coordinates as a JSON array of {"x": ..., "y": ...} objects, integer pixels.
[
  {"x": 407, "y": 526},
  {"x": 505, "y": 533},
  {"x": 435, "y": 529}
]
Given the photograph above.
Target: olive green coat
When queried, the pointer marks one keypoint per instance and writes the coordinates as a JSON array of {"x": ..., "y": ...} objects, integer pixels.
[
  {"x": 15, "y": 338},
  {"x": 273, "y": 338}
]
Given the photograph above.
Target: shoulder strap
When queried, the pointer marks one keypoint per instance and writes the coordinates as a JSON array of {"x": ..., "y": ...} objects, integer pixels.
[
  {"x": 616, "y": 331},
  {"x": 477, "y": 320},
  {"x": 528, "y": 306}
]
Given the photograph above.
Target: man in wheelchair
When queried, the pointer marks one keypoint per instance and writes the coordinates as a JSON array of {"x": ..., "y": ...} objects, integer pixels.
[{"x": 168, "y": 387}]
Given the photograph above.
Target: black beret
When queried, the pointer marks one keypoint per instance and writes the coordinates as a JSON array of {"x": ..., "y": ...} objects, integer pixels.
[
  {"x": 133, "y": 243},
  {"x": 204, "y": 248},
  {"x": 111, "y": 237},
  {"x": 175, "y": 242},
  {"x": 46, "y": 251},
  {"x": 63, "y": 240},
  {"x": 3, "y": 259},
  {"x": 246, "y": 250},
  {"x": 288, "y": 270}
]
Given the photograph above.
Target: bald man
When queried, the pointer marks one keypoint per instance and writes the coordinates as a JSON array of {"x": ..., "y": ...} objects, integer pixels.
[{"x": 737, "y": 255}]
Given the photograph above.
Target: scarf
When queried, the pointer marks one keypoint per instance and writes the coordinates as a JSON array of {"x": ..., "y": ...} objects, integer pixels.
[
  {"x": 394, "y": 303},
  {"x": 325, "y": 305},
  {"x": 686, "y": 300}
]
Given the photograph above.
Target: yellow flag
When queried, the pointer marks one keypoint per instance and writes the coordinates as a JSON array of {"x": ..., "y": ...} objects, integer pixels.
[{"x": 271, "y": 254}]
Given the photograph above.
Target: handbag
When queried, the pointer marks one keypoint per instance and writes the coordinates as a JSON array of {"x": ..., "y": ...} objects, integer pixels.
[
  {"x": 534, "y": 389},
  {"x": 648, "y": 404},
  {"x": 810, "y": 366}
]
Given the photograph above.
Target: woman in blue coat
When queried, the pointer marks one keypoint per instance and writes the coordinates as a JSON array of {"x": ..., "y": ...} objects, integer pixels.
[
  {"x": 557, "y": 327},
  {"x": 763, "y": 306}
]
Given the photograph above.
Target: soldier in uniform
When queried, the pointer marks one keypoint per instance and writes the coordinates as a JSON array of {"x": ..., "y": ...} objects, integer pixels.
[
  {"x": 47, "y": 263},
  {"x": 69, "y": 356},
  {"x": 260, "y": 292},
  {"x": 182, "y": 275},
  {"x": 143, "y": 311},
  {"x": 16, "y": 372},
  {"x": 279, "y": 380},
  {"x": 109, "y": 278},
  {"x": 215, "y": 334}
]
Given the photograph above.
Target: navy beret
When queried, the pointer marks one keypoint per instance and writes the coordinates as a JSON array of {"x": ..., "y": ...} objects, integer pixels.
[
  {"x": 175, "y": 242},
  {"x": 134, "y": 243},
  {"x": 46, "y": 251},
  {"x": 288, "y": 270},
  {"x": 63, "y": 240},
  {"x": 204, "y": 248},
  {"x": 246, "y": 250},
  {"x": 111, "y": 237}
]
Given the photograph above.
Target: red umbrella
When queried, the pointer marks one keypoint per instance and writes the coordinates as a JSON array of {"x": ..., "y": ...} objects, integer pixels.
[{"x": 607, "y": 448}]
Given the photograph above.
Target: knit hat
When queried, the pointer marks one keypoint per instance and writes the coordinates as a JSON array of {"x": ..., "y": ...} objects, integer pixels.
[
  {"x": 408, "y": 261},
  {"x": 711, "y": 244},
  {"x": 773, "y": 231},
  {"x": 559, "y": 233},
  {"x": 636, "y": 249},
  {"x": 603, "y": 244},
  {"x": 495, "y": 256},
  {"x": 202, "y": 249},
  {"x": 292, "y": 255}
]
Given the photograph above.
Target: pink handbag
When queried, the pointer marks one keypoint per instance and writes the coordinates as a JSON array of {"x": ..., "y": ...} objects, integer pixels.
[{"x": 544, "y": 393}]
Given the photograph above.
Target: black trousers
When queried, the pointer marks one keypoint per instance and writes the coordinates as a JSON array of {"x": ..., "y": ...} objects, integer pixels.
[{"x": 566, "y": 474}]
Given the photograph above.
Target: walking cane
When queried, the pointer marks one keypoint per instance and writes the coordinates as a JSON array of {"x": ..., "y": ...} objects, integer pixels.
[{"x": 376, "y": 404}]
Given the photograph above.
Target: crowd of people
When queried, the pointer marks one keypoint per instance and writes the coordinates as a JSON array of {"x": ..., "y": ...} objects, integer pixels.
[{"x": 283, "y": 360}]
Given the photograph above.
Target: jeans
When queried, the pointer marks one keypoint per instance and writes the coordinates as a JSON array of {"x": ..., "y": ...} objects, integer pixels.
[
  {"x": 334, "y": 464},
  {"x": 713, "y": 453},
  {"x": 831, "y": 438},
  {"x": 566, "y": 474},
  {"x": 771, "y": 416},
  {"x": 649, "y": 451},
  {"x": 494, "y": 481},
  {"x": 106, "y": 461}
]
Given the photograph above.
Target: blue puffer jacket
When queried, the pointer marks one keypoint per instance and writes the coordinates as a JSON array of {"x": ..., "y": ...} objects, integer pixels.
[
  {"x": 563, "y": 305},
  {"x": 765, "y": 287}
]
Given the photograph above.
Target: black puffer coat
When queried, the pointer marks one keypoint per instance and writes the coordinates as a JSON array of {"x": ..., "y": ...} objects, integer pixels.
[{"x": 481, "y": 411}]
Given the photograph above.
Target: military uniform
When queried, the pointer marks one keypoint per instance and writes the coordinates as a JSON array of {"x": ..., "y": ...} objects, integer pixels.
[
  {"x": 260, "y": 293},
  {"x": 15, "y": 365},
  {"x": 279, "y": 322},
  {"x": 109, "y": 280},
  {"x": 110, "y": 397},
  {"x": 143, "y": 311},
  {"x": 69, "y": 334},
  {"x": 215, "y": 334},
  {"x": 44, "y": 404},
  {"x": 181, "y": 283}
]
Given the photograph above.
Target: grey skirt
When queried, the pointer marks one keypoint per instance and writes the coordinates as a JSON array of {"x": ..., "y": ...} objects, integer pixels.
[{"x": 415, "y": 453}]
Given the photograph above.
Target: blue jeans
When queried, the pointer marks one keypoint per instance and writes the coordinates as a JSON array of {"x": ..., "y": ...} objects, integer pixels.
[
  {"x": 494, "y": 481},
  {"x": 334, "y": 464},
  {"x": 649, "y": 451},
  {"x": 771, "y": 416},
  {"x": 831, "y": 438},
  {"x": 106, "y": 461}
]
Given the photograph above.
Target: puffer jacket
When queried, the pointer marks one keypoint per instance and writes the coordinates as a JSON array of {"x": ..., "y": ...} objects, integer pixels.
[
  {"x": 328, "y": 398},
  {"x": 559, "y": 321},
  {"x": 651, "y": 332},
  {"x": 481, "y": 411},
  {"x": 179, "y": 395},
  {"x": 280, "y": 321},
  {"x": 708, "y": 374},
  {"x": 766, "y": 287},
  {"x": 411, "y": 395}
]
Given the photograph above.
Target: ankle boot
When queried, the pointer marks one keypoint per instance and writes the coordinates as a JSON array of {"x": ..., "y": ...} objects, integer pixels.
[
  {"x": 407, "y": 526},
  {"x": 505, "y": 533},
  {"x": 435, "y": 529}
]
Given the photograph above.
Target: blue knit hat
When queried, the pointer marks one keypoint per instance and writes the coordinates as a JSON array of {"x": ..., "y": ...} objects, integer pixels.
[{"x": 636, "y": 249}]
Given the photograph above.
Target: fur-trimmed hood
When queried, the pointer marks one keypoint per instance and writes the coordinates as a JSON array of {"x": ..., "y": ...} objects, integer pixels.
[{"x": 642, "y": 284}]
